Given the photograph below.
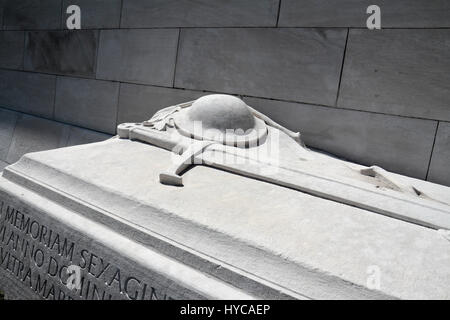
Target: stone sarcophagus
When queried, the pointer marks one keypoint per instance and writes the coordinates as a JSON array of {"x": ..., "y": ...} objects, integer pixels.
[{"x": 211, "y": 199}]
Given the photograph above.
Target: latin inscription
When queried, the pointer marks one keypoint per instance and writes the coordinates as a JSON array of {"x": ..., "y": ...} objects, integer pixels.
[{"x": 39, "y": 257}]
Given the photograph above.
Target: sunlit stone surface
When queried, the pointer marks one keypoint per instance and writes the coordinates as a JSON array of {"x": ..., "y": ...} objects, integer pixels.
[{"x": 160, "y": 213}]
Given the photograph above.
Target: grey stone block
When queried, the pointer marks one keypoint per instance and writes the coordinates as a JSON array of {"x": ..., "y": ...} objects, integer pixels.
[
  {"x": 138, "y": 103},
  {"x": 88, "y": 103},
  {"x": 3, "y": 165},
  {"x": 203, "y": 13},
  {"x": 11, "y": 49},
  {"x": 352, "y": 13},
  {"x": 79, "y": 136},
  {"x": 140, "y": 56},
  {"x": 440, "y": 161},
  {"x": 398, "y": 144},
  {"x": 292, "y": 64},
  {"x": 32, "y": 14},
  {"x": 8, "y": 121},
  {"x": 63, "y": 52},
  {"x": 402, "y": 72},
  {"x": 2, "y": 5},
  {"x": 27, "y": 92},
  {"x": 36, "y": 134},
  {"x": 95, "y": 13}
]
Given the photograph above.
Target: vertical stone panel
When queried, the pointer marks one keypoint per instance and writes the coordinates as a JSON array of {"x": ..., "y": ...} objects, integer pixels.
[
  {"x": 62, "y": 52},
  {"x": 87, "y": 103},
  {"x": 200, "y": 13},
  {"x": 3, "y": 165},
  {"x": 440, "y": 161},
  {"x": 292, "y": 64},
  {"x": 11, "y": 49},
  {"x": 27, "y": 92},
  {"x": 401, "y": 72},
  {"x": 140, "y": 56},
  {"x": 79, "y": 136},
  {"x": 32, "y": 14},
  {"x": 397, "y": 144},
  {"x": 35, "y": 134},
  {"x": 138, "y": 103},
  {"x": 352, "y": 13},
  {"x": 1, "y": 17},
  {"x": 7, "y": 124}
]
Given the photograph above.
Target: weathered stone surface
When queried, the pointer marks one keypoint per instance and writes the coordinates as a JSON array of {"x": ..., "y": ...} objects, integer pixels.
[
  {"x": 397, "y": 144},
  {"x": 32, "y": 14},
  {"x": 440, "y": 160},
  {"x": 403, "y": 72},
  {"x": 138, "y": 102},
  {"x": 3, "y": 164},
  {"x": 83, "y": 136},
  {"x": 204, "y": 13},
  {"x": 293, "y": 64},
  {"x": 11, "y": 49},
  {"x": 95, "y": 13},
  {"x": 8, "y": 121},
  {"x": 352, "y": 13},
  {"x": 107, "y": 270},
  {"x": 1, "y": 17},
  {"x": 158, "y": 237},
  {"x": 63, "y": 52},
  {"x": 141, "y": 56},
  {"x": 88, "y": 103},
  {"x": 36, "y": 134},
  {"x": 27, "y": 92}
]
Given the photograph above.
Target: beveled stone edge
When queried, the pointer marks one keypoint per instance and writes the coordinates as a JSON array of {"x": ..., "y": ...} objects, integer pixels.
[{"x": 318, "y": 283}]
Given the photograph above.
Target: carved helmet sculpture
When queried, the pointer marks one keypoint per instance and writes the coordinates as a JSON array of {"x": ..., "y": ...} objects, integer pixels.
[
  {"x": 221, "y": 118},
  {"x": 210, "y": 122},
  {"x": 204, "y": 130}
]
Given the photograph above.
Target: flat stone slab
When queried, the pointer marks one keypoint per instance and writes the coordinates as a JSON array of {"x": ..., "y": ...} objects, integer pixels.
[
  {"x": 352, "y": 13},
  {"x": 11, "y": 50},
  {"x": 137, "y": 102},
  {"x": 439, "y": 166},
  {"x": 297, "y": 64},
  {"x": 203, "y": 13},
  {"x": 31, "y": 93},
  {"x": 3, "y": 164},
  {"x": 32, "y": 14},
  {"x": 386, "y": 79},
  {"x": 220, "y": 236},
  {"x": 88, "y": 103},
  {"x": 66, "y": 52},
  {"x": 145, "y": 56}
]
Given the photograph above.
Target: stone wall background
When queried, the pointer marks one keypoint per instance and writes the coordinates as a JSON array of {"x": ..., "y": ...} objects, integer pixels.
[{"x": 374, "y": 97}]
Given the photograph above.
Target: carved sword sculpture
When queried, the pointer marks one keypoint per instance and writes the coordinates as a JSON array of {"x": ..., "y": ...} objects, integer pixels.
[{"x": 221, "y": 131}]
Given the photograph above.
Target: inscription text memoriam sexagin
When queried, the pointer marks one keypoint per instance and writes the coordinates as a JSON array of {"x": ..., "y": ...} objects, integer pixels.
[{"x": 38, "y": 256}]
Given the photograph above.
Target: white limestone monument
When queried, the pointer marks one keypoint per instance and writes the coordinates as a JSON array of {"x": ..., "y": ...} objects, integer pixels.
[{"x": 210, "y": 199}]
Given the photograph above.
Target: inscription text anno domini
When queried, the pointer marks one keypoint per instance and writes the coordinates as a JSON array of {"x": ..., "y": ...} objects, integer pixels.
[{"x": 38, "y": 256}]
